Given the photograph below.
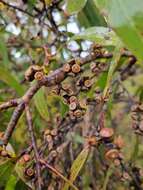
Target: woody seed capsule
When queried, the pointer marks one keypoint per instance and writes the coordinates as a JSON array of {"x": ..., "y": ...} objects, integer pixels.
[
  {"x": 38, "y": 75},
  {"x": 54, "y": 132},
  {"x": 119, "y": 142},
  {"x": 53, "y": 153},
  {"x": 30, "y": 72},
  {"x": 60, "y": 149},
  {"x": 29, "y": 172},
  {"x": 47, "y": 132},
  {"x": 76, "y": 68},
  {"x": 73, "y": 99},
  {"x": 106, "y": 132},
  {"x": 65, "y": 86},
  {"x": 112, "y": 154},
  {"x": 78, "y": 113},
  {"x": 66, "y": 67},
  {"x": 82, "y": 104},
  {"x": 49, "y": 138},
  {"x": 26, "y": 157},
  {"x": 92, "y": 141},
  {"x": 72, "y": 106},
  {"x": 88, "y": 83},
  {"x": 4, "y": 153}
]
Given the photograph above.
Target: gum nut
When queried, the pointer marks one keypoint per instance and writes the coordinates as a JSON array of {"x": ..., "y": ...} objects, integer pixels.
[
  {"x": 73, "y": 99},
  {"x": 106, "y": 132},
  {"x": 26, "y": 157},
  {"x": 66, "y": 67},
  {"x": 72, "y": 106},
  {"x": 112, "y": 154},
  {"x": 119, "y": 142},
  {"x": 76, "y": 68}
]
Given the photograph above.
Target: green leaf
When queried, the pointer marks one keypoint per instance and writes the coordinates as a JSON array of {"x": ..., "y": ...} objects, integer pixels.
[
  {"x": 4, "y": 53},
  {"x": 90, "y": 16},
  {"x": 102, "y": 80},
  {"x": 113, "y": 65},
  {"x": 31, "y": 4},
  {"x": 64, "y": 108},
  {"x": 41, "y": 104},
  {"x": 101, "y": 35},
  {"x": 21, "y": 185},
  {"x": 107, "y": 177},
  {"x": 74, "y": 6},
  {"x": 20, "y": 168},
  {"x": 10, "y": 80},
  {"x": 77, "y": 165},
  {"x": 11, "y": 183},
  {"x": 125, "y": 17},
  {"x": 5, "y": 172}
]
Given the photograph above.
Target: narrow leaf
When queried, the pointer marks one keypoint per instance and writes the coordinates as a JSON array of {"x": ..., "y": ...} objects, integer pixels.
[
  {"x": 112, "y": 68},
  {"x": 5, "y": 171},
  {"x": 90, "y": 16},
  {"x": 77, "y": 166},
  {"x": 4, "y": 53},
  {"x": 20, "y": 168},
  {"x": 74, "y": 6},
  {"x": 101, "y": 35},
  {"x": 11, "y": 183},
  {"x": 21, "y": 185},
  {"x": 125, "y": 17},
  {"x": 41, "y": 104},
  {"x": 10, "y": 80}
]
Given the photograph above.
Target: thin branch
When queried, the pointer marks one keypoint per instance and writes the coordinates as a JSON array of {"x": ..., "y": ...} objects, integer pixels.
[
  {"x": 23, "y": 11},
  {"x": 17, "y": 8},
  {"x": 54, "y": 170},
  {"x": 34, "y": 145},
  {"x": 56, "y": 77},
  {"x": 14, "y": 119},
  {"x": 9, "y": 104},
  {"x": 19, "y": 110}
]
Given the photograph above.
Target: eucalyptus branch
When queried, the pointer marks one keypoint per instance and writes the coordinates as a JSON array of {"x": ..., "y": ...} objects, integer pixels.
[
  {"x": 56, "y": 77},
  {"x": 9, "y": 104},
  {"x": 34, "y": 145}
]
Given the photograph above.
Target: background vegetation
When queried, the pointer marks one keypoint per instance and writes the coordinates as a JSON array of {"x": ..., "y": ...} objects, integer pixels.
[{"x": 71, "y": 94}]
